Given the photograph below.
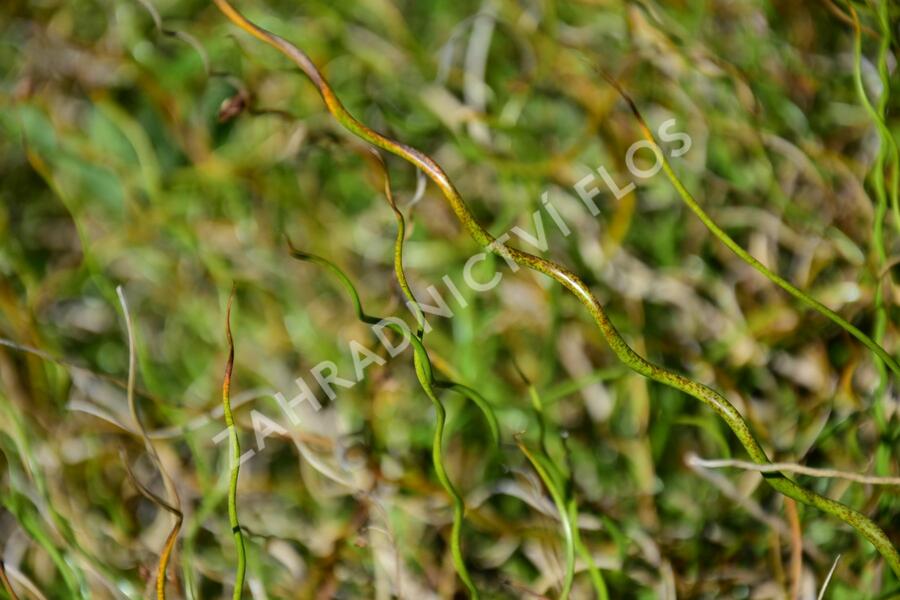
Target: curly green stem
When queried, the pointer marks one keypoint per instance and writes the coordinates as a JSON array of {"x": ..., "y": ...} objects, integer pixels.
[
  {"x": 745, "y": 256},
  {"x": 562, "y": 491},
  {"x": 887, "y": 150},
  {"x": 235, "y": 448},
  {"x": 425, "y": 376},
  {"x": 580, "y": 290},
  {"x": 400, "y": 274}
]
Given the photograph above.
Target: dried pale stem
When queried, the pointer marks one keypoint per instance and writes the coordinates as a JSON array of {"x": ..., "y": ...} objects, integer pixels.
[
  {"x": 169, "y": 546},
  {"x": 790, "y": 507},
  {"x": 828, "y": 577},
  {"x": 6, "y": 583},
  {"x": 786, "y": 467}
]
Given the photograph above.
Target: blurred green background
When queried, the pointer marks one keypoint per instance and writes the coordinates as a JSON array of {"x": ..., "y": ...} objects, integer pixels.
[{"x": 152, "y": 145}]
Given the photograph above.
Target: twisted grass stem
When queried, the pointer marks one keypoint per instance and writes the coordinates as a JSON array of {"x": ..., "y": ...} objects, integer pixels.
[
  {"x": 580, "y": 290},
  {"x": 425, "y": 376},
  {"x": 745, "y": 256},
  {"x": 235, "y": 460}
]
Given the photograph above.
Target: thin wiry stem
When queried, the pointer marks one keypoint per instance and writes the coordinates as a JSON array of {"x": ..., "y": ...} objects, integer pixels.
[
  {"x": 825, "y": 583},
  {"x": 235, "y": 461},
  {"x": 413, "y": 304},
  {"x": 26, "y": 349},
  {"x": 554, "y": 478},
  {"x": 176, "y": 33},
  {"x": 790, "y": 507},
  {"x": 836, "y": 10},
  {"x": 27, "y": 585},
  {"x": 548, "y": 475},
  {"x": 582, "y": 292},
  {"x": 786, "y": 467},
  {"x": 172, "y": 538},
  {"x": 399, "y": 272},
  {"x": 425, "y": 376},
  {"x": 6, "y": 583},
  {"x": 745, "y": 256},
  {"x": 428, "y": 386},
  {"x": 887, "y": 150}
]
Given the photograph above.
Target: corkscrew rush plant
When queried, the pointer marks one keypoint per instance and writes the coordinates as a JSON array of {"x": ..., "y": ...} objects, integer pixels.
[
  {"x": 888, "y": 155},
  {"x": 425, "y": 376},
  {"x": 558, "y": 484},
  {"x": 748, "y": 258},
  {"x": 865, "y": 526},
  {"x": 400, "y": 275}
]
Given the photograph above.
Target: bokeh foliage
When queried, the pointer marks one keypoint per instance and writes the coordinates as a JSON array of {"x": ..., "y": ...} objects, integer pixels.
[{"x": 158, "y": 148}]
